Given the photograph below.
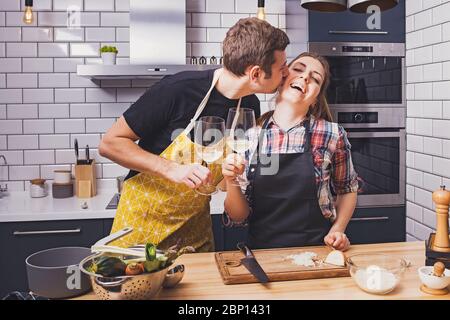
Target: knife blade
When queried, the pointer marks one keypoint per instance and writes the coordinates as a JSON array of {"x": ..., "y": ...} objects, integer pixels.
[
  {"x": 252, "y": 264},
  {"x": 76, "y": 151}
]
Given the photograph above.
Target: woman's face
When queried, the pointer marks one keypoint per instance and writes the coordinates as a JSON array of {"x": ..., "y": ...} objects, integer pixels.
[{"x": 302, "y": 85}]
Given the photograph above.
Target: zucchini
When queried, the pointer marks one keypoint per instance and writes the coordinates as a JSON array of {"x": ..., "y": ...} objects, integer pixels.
[
  {"x": 108, "y": 266},
  {"x": 151, "y": 266},
  {"x": 150, "y": 252}
]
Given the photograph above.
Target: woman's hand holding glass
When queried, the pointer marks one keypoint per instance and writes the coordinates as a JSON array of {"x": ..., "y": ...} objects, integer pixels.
[
  {"x": 241, "y": 137},
  {"x": 232, "y": 167}
]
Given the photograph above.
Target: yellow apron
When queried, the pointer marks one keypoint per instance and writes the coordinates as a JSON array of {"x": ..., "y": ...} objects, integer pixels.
[{"x": 164, "y": 212}]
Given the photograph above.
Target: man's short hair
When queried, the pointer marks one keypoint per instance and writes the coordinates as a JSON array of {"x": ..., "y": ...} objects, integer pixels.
[{"x": 252, "y": 41}]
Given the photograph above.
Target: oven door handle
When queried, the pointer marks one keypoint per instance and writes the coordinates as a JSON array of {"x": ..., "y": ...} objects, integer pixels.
[
  {"x": 357, "y": 32},
  {"x": 390, "y": 134},
  {"x": 370, "y": 219}
]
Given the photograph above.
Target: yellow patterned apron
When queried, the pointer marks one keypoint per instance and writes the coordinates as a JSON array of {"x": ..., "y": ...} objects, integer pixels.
[{"x": 164, "y": 212}]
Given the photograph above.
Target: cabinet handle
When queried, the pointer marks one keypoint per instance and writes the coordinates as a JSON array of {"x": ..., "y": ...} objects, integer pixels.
[
  {"x": 370, "y": 219},
  {"x": 27, "y": 233},
  {"x": 356, "y": 32}
]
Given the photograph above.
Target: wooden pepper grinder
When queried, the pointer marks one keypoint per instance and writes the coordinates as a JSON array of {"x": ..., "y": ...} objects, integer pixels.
[{"x": 441, "y": 241}]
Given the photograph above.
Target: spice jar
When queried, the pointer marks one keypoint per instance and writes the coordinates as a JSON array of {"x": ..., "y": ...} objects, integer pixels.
[{"x": 38, "y": 188}]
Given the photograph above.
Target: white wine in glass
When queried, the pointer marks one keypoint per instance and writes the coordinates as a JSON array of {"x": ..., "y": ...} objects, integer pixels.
[
  {"x": 238, "y": 146},
  {"x": 241, "y": 128},
  {"x": 209, "y": 134}
]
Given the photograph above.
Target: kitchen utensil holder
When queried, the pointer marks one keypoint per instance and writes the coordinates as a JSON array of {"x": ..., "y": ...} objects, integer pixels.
[{"x": 85, "y": 180}]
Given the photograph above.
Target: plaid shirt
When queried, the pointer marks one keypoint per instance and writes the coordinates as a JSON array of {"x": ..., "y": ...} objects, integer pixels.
[{"x": 330, "y": 148}]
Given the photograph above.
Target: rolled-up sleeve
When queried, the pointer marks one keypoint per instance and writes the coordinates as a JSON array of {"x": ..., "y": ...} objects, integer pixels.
[{"x": 343, "y": 175}]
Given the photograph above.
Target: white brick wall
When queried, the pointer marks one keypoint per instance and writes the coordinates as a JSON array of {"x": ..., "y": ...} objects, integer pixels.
[
  {"x": 428, "y": 139},
  {"x": 44, "y": 105}
]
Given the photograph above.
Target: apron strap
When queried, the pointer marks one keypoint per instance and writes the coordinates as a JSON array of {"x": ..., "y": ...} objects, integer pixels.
[{"x": 202, "y": 105}]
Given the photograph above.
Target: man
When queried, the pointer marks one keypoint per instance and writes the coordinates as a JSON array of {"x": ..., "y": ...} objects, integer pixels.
[{"x": 158, "y": 200}]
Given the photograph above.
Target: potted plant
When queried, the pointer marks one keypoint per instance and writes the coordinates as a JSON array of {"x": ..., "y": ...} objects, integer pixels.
[{"x": 109, "y": 54}]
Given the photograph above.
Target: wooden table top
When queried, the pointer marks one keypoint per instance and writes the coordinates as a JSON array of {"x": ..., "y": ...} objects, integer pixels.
[{"x": 202, "y": 280}]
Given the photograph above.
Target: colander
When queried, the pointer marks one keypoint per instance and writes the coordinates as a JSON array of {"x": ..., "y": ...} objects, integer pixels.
[{"x": 139, "y": 287}]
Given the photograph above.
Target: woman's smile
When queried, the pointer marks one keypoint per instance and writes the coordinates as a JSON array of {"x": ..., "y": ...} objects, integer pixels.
[{"x": 299, "y": 85}]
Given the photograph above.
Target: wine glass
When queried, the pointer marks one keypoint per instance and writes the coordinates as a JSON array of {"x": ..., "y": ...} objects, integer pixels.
[
  {"x": 241, "y": 130},
  {"x": 209, "y": 135}
]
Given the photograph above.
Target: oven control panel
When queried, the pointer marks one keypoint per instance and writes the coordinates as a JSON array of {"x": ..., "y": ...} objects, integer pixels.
[{"x": 357, "y": 117}]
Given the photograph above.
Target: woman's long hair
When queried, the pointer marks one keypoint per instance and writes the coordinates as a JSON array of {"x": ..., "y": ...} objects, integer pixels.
[{"x": 320, "y": 110}]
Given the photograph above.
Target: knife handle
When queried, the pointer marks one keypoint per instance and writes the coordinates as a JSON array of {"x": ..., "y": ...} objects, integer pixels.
[
  {"x": 245, "y": 249},
  {"x": 76, "y": 151},
  {"x": 87, "y": 154}
]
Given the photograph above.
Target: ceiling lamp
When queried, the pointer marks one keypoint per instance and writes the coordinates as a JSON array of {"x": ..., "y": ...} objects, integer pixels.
[
  {"x": 28, "y": 14},
  {"x": 261, "y": 13},
  {"x": 360, "y": 6}
]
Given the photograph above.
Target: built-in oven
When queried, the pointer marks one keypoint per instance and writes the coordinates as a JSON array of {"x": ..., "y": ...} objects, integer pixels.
[
  {"x": 364, "y": 74},
  {"x": 378, "y": 146}
]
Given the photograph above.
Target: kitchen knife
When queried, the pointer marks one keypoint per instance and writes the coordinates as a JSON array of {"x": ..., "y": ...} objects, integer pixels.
[
  {"x": 251, "y": 264},
  {"x": 76, "y": 152},
  {"x": 88, "y": 161}
]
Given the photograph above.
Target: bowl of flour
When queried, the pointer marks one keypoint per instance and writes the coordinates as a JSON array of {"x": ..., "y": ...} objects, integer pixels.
[{"x": 376, "y": 273}]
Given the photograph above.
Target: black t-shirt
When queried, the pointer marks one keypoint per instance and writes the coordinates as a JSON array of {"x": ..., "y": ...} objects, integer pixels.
[{"x": 171, "y": 103}]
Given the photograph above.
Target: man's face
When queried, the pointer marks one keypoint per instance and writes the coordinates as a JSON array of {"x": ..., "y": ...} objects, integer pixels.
[{"x": 279, "y": 72}]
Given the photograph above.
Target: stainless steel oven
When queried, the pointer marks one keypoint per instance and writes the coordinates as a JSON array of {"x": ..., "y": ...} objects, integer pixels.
[
  {"x": 378, "y": 140},
  {"x": 364, "y": 74}
]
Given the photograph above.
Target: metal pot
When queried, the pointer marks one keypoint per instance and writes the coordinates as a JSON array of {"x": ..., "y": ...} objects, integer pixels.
[
  {"x": 325, "y": 5},
  {"x": 54, "y": 273},
  {"x": 360, "y": 6}
]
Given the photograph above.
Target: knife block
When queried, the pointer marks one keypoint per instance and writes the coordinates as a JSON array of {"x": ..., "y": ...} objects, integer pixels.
[{"x": 85, "y": 180}]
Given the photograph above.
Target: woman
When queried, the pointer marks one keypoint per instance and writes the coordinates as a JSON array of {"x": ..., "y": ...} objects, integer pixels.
[{"x": 295, "y": 206}]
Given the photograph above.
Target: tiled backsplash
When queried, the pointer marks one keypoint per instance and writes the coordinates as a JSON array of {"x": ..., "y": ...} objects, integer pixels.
[
  {"x": 44, "y": 105},
  {"x": 428, "y": 110}
]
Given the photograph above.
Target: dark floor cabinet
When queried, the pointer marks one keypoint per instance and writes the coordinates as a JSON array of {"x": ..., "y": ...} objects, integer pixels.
[{"x": 20, "y": 239}]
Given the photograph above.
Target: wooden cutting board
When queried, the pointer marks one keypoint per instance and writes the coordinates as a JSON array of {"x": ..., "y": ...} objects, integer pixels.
[{"x": 276, "y": 265}]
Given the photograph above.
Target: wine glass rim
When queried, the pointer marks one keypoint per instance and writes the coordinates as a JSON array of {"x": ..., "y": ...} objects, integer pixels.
[
  {"x": 214, "y": 118},
  {"x": 242, "y": 109}
]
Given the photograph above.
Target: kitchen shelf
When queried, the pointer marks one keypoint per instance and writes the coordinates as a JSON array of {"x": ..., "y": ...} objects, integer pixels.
[{"x": 135, "y": 71}]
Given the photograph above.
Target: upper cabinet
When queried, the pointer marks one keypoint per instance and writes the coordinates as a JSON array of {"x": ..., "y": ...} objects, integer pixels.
[{"x": 347, "y": 26}]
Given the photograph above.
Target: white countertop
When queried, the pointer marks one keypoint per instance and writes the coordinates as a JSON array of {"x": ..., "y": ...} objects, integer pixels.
[{"x": 19, "y": 206}]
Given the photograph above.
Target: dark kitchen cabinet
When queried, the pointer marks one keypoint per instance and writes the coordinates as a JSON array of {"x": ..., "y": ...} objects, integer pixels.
[
  {"x": 375, "y": 225},
  {"x": 227, "y": 238},
  {"x": 347, "y": 26},
  {"x": 107, "y": 226},
  {"x": 17, "y": 243}
]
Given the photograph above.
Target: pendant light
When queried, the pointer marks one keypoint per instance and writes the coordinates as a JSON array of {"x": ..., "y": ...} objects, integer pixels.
[
  {"x": 261, "y": 13},
  {"x": 28, "y": 14},
  {"x": 360, "y": 6},
  {"x": 325, "y": 5}
]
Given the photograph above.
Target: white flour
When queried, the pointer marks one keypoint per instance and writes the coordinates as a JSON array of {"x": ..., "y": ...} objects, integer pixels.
[
  {"x": 376, "y": 280},
  {"x": 303, "y": 259}
]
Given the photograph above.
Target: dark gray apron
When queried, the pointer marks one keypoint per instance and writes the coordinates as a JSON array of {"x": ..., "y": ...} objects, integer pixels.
[{"x": 286, "y": 211}]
